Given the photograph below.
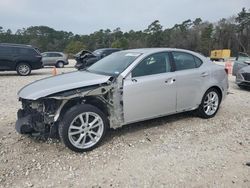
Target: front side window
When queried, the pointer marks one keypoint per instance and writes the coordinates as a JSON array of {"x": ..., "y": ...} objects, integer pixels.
[
  {"x": 6, "y": 50},
  {"x": 184, "y": 61},
  {"x": 50, "y": 55},
  {"x": 154, "y": 64}
]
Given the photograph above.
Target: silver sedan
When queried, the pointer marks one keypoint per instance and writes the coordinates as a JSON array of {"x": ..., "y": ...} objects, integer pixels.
[{"x": 125, "y": 87}]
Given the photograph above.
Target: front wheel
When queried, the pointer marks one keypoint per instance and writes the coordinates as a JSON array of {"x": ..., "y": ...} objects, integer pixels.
[
  {"x": 210, "y": 104},
  {"x": 242, "y": 86},
  {"x": 23, "y": 69},
  {"x": 83, "y": 127}
]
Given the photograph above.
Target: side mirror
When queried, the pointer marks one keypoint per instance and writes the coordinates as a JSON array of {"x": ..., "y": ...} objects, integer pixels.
[{"x": 129, "y": 76}]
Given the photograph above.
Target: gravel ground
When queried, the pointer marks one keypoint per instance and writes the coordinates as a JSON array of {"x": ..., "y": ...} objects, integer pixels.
[{"x": 175, "y": 151}]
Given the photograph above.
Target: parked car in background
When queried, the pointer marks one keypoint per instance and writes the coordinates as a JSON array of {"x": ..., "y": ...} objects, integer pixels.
[
  {"x": 242, "y": 60},
  {"x": 86, "y": 58},
  {"x": 241, "y": 69},
  {"x": 20, "y": 58},
  {"x": 125, "y": 87},
  {"x": 57, "y": 59}
]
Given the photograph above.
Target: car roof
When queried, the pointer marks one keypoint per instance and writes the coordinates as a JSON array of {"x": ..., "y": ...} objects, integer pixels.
[
  {"x": 148, "y": 51},
  {"x": 102, "y": 49},
  {"x": 153, "y": 50},
  {"x": 16, "y": 45},
  {"x": 54, "y": 52}
]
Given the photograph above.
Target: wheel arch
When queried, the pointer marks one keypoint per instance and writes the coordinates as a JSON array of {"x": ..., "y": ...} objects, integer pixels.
[
  {"x": 60, "y": 60},
  {"x": 218, "y": 89},
  {"x": 91, "y": 100},
  {"x": 27, "y": 62}
]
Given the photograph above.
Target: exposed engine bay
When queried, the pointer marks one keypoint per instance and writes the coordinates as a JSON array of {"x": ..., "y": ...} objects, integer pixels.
[{"x": 41, "y": 117}]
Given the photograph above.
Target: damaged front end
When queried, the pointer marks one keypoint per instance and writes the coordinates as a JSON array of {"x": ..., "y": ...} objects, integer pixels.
[
  {"x": 37, "y": 117},
  {"x": 42, "y": 117}
]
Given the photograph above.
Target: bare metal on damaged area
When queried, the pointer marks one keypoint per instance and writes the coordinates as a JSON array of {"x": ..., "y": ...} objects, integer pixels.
[
  {"x": 77, "y": 86},
  {"x": 122, "y": 95}
]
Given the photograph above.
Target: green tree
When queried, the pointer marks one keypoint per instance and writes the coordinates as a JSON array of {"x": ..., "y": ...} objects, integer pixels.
[
  {"x": 197, "y": 35},
  {"x": 206, "y": 39},
  {"x": 243, "y": 32},
  {"x": 74, "y": 46},
  {"x": 120, "y": 43},
  {"x": 154, "y": 32}
]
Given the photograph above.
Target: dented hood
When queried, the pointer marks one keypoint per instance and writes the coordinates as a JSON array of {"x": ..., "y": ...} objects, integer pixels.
[
  {"x": 245, "y": 69},
  {"x": 63, "y": 82}
]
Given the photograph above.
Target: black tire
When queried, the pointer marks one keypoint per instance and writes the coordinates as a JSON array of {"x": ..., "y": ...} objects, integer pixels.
[
  {"x": 23, "y": 69},
  {"x": 70, "y": 116},
  {"x": 243, "y": 87},
  {"x": 60, "y": 64},
  {"x": 201, "y": 110}
]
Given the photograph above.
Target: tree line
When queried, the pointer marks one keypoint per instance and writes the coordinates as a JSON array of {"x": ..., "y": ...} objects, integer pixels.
[{"x": 197, "y": 35}]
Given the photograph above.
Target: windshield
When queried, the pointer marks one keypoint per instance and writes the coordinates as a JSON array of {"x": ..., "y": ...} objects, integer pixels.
[
  {"x": 114, "y": 64},
  {"x": 97, "y": 52},
  {"x": 243, "y": 56}
]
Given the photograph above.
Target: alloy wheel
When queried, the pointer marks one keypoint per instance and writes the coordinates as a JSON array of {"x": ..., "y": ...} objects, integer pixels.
[
  {"x": 23, "y": 69},
  {"x": 85, "y": 130},
  {"x": 211, "y": 103}
]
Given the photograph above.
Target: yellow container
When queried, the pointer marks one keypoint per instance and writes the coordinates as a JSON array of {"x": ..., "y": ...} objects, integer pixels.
[{"x": 220, "y": 54}]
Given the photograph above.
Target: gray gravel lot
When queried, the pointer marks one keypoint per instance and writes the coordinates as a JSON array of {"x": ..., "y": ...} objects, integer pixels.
[{"x": 175, "y": 151}]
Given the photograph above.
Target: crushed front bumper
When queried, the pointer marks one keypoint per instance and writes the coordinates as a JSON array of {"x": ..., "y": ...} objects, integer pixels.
[
  {"x": 24, "y": 125},
  {"x": 243, "y": 79}
]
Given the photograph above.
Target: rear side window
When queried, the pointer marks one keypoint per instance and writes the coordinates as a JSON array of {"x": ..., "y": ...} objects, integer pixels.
[
  {"x": 25, "y": 51},
  {"x": 52, "y": 55},
  {"x": 197, "y": 61},
  {"x": 185, "y": 61},
  {"x": 55, "y": 55}
]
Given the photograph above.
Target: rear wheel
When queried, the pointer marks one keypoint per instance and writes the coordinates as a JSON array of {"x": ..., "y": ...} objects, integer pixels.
[
  {"x": 210, "y": 104},
  {"x": 60, "y": 64},
  {"x": 83, "y": 128},
  {"x": 23, "y": 69}
]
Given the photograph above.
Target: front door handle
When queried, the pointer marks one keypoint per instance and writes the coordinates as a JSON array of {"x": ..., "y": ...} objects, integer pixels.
[
  {"x": 204, "y": 74},
  {"x": 170, "y": 81}
]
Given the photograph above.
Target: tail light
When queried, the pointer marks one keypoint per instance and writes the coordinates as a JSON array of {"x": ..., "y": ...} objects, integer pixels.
[{"x": 226, "y": 70}]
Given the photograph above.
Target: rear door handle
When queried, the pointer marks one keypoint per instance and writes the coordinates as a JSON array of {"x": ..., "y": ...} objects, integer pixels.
[{"x": 204, "y": 74}]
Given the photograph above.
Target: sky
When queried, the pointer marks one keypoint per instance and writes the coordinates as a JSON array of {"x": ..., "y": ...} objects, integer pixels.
[{"x": 88, "y": 16}]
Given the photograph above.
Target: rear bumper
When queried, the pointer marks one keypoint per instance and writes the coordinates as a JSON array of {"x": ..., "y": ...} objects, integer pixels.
[
  {"x": 37, "y": 65},
  {"x": 66, "y": 62}
]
